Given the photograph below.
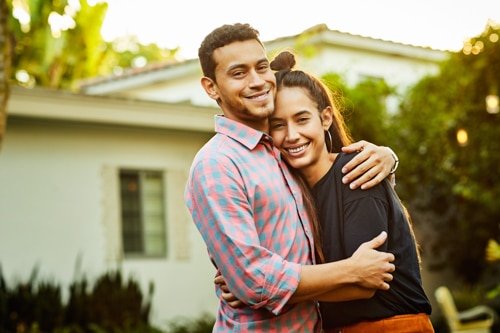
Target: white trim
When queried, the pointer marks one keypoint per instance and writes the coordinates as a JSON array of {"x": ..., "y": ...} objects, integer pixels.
[{"x": 61, "y": 105}]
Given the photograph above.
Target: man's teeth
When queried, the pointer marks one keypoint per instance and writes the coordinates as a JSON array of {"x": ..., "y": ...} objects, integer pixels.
[{"x": 263, "y": 96}]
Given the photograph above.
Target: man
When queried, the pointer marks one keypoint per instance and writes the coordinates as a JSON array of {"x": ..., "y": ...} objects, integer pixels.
[{"x": 249, "y": 209}]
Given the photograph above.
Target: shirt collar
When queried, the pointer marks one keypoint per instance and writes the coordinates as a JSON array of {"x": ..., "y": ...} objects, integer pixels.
[{"x": 244, "y": 134}]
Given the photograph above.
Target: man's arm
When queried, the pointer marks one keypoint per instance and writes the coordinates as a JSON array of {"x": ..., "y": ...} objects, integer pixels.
[
  {"x": 341, "y": 294},
  {"x": 357, "y": 277},
  {"x": 372, "y": 165},
  {"x": 367, "y": 268}
]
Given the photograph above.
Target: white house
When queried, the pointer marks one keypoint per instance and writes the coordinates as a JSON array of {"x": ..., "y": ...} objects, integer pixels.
[
  {"x": 94, "y": 181},
  {"x": 319, "y": 51}
]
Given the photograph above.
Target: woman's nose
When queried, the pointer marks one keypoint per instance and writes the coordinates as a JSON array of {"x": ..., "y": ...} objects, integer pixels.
[{"x": 292, "y": 133}]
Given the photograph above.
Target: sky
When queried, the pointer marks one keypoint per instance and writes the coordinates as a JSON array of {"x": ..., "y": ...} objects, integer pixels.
[{"x": 439, "y": 24}]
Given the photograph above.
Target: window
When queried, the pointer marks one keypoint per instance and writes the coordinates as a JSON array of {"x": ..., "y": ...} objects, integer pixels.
[{"x": 142, "y": 213}]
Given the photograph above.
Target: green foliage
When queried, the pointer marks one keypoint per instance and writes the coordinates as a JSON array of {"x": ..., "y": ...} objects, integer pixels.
[
  {"x": 363, "y": 107},
  {"x": 450, "y": 189},
  {"x": 59, "y": 58},
  {"x": 55, "y": 57},
  {"x": 109, "y": 291},
  {"x": 33, "y": 302},
  {"x": 203, "y": 324},
  {"x": 454, "y": 188},
  {"x": 110, "y": 305},
  {"x": 3, "y": 302}
]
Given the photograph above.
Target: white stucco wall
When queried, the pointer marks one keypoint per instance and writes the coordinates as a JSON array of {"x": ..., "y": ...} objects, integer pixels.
[{"x": 53, "y": 209}]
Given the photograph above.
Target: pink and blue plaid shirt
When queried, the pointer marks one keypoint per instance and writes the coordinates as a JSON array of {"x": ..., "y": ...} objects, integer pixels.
[{"x": 249, "y": 212}]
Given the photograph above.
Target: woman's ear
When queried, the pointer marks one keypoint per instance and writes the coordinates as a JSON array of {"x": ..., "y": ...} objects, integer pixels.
[
  {"x": 327, "y": 117},
  {"x": 210, "y": 87}
]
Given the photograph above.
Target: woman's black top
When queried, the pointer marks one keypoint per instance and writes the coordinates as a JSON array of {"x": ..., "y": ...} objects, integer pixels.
[{"x": 351, "y": 217}]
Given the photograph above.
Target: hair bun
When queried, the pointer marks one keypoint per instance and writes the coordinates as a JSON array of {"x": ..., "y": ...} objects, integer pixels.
[{"x": 283, "y": 61}]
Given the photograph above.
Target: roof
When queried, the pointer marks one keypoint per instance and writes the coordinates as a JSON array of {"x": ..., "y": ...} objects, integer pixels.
[
  {"x": 316, "y": 35},
  {"x": 60, "y": 105}
]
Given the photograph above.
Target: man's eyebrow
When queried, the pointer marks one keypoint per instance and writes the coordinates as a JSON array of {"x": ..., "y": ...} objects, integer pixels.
[
  {"x": 263, "y": 60},
  {"x": 259, "y": 62},
  {"x": 235, "y": 66}
]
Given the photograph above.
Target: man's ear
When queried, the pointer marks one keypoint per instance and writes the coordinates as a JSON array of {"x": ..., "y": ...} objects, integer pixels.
[
  {"x": 327, "y": 117},
  {"x": 210, "y": 88}
]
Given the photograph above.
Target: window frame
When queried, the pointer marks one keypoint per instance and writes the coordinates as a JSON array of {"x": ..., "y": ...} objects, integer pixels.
[{"x": 141, "y": 176}]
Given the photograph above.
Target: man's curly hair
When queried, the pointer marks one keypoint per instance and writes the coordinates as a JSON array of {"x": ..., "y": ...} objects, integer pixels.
[{"x": 220, "y": 37}]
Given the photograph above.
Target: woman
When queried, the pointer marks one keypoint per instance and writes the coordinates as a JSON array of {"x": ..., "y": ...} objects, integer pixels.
[{"x": 309, "y": 131}]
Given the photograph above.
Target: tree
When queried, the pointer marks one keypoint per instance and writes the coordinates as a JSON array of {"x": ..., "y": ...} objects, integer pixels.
[
  {"x": 4, "y": 67},
  {"x": 59, "y": 42},
  {"x": 452, "y": 187},
  {"x": 364, "y": 107},
  {"x": 55, "y": 42}
]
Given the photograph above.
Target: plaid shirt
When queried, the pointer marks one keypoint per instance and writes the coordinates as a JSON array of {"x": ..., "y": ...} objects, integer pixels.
[{"x": 249, "y": 212}]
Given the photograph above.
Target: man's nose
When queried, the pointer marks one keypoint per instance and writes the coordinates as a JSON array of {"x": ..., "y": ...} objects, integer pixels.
[{"x": 256, "y": 79}]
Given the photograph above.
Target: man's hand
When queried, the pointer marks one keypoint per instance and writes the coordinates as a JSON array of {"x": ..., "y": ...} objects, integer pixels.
[
  {"x": 226, "y": 293},
  {"x": 374, "y": 268},
  {"x": 372, "y": 165}
]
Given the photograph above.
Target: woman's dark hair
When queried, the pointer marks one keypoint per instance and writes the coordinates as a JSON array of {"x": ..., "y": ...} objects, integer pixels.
[
  {"x": 222, "y": 36},
  {"x": 318, "y": 92}
]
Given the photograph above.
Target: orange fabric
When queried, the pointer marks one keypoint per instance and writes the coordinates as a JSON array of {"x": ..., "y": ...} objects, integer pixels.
[{"x": 410, "y": 323}]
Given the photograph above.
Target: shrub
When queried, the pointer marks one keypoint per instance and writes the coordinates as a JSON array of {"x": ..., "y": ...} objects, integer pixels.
[{"x": 110, "y": 305}]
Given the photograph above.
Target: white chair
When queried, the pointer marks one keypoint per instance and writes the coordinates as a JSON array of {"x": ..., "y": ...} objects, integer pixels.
[{"x": 478, "y": 319}]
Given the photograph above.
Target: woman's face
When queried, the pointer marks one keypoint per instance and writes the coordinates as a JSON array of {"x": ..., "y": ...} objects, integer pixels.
[{"x": 298, "y": 130}]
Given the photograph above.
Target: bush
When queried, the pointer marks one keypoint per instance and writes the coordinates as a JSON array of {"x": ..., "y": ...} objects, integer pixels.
[
  {"x": 30, "y": 303},
  {"x": 203, "y": 324},
  {"x": 111, "y": 305}
]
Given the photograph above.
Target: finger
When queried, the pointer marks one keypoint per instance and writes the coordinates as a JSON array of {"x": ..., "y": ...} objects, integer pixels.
[
  {"x": 219, "y": 279},
  {"x": 391, "y": 259},
  {"x": 354, "y": 147},
  {"x": 376, "y": 241},
  {"x": 358, "y": 162},
  {"x": 369, "y": 183},
  {"x": 385, "y": 286},
  {"x": 236, "y": 304},
  {"x": 224, "y": 288},
  {"x": 364, "y": 178},
  {"x": 228, "y": 297}
]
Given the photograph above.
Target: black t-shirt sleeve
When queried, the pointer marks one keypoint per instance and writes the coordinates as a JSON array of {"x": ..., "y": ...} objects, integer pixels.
[
  {"x": 365, "y": 213},
  {"x": 365, "y": 217}
]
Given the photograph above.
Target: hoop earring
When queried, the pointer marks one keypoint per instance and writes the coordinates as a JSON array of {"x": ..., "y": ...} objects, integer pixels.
[{"x": 331, "y": 141}]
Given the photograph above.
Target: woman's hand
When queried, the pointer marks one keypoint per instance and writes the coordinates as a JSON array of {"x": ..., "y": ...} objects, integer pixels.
[{"x": 226, "y": 293}]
